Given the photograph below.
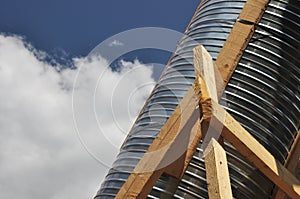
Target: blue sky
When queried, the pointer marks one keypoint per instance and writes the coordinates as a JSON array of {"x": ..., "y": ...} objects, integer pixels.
[
  {"x": 61, "y": 126},
  {"x": 78, "y": 26}
]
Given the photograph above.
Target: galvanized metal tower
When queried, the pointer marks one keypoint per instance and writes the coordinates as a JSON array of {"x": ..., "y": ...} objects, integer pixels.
[{"x": 254, "y": 45}]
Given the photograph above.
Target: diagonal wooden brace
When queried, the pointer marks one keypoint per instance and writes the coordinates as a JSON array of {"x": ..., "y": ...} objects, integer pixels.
[
  {"x": 170, "y": 151},
  {"x": 248, "y": 146}
]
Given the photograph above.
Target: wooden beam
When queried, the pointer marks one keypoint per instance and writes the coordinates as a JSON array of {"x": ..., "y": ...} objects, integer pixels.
[
  {"x": 248, "y": 146},
  {"x": 217, "y": 174},
  {"x": 291, "y": 163},
  {"x": 293, "y": 158},
  {"x": 170, "y": 144},
  {"x": 204, "y": 67},
  {"x": 239, "y": 37}
]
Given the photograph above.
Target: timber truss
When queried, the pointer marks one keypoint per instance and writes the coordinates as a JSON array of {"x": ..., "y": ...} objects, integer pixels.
[{"x": 188, "y": 125}]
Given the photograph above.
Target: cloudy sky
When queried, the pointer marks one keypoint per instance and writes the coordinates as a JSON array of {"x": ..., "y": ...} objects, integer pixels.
[{"x": 63, "y": 114}]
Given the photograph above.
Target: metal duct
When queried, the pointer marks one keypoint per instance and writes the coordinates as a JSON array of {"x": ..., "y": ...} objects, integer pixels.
[{"x": 263, "y": 95}]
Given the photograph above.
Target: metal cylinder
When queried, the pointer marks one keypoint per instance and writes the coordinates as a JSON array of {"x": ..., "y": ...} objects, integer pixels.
[{"x": 263, "y": 95}]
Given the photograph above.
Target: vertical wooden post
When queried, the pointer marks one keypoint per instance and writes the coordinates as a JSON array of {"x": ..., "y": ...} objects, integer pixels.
[{"x": 217, "y": 174}]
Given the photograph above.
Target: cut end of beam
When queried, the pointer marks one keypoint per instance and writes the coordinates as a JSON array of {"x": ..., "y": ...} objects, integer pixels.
[{"x": 217, "y": 174}]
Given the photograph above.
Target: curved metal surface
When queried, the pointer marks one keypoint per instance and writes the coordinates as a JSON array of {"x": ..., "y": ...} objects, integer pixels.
[{"x": 263, "y": 95}]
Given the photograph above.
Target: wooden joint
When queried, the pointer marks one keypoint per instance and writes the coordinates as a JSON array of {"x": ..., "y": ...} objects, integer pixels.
[
  {"x": 205, "y": 101},
  {"x": 257, "y": 154}
]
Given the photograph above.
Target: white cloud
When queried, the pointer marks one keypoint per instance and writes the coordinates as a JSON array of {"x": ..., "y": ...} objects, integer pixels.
[
  {"x": 41, "y": 155},
  {"x": 116, "y": 43}
]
